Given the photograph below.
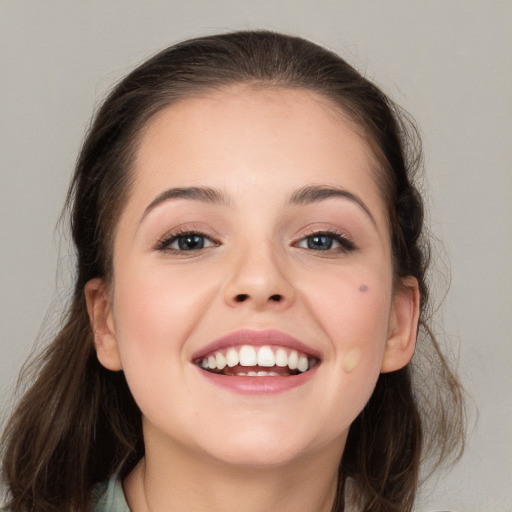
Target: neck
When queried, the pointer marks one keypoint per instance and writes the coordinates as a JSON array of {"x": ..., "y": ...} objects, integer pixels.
[{"x": 179, "y": 482}]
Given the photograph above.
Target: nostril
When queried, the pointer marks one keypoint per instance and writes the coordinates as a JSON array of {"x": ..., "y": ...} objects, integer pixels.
[{"x": 242, "y": 297}]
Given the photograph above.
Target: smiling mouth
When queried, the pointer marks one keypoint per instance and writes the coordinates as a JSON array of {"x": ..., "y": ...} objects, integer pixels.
[{"x": 257, "y": 361}]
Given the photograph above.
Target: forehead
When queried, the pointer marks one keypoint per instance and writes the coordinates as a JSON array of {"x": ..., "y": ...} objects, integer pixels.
[
  {"x": 249, "y": 140},
  {"x": 213, "y": 129}
]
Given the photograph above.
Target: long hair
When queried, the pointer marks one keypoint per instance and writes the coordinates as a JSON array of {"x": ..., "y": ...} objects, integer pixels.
[{"x": 78, "y": 422}]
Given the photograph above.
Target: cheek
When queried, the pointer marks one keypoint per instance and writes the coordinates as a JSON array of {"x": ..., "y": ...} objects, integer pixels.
[
  {"x": 353, "y": 308},
  {"x": 152, "y": 303},
  {"x": 354, "y": 312},
  {"x": 358, "y": 328},
  {"x": 154, "y": 311}
]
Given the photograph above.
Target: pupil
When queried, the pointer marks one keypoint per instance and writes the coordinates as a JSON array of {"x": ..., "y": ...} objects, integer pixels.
[
  {"x": 190, "y": 242},
  {"x": 320, "y": 242}
]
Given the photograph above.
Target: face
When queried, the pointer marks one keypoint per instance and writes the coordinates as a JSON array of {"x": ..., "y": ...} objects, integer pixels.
[{"x": 252, "y": 306}]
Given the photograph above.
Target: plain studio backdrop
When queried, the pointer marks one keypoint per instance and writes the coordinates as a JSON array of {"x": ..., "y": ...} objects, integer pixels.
[{"x": 447, "y": 62}]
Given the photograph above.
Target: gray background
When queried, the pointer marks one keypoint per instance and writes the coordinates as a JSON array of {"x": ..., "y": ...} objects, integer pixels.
[{"x": 447, "y": 62}]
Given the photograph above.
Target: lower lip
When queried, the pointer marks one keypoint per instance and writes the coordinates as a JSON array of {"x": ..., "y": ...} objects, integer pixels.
[{"x": 258, "y": 385}]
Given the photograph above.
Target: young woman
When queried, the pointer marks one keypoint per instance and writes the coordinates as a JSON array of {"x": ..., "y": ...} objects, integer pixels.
[{"x": 250, "y": 291}]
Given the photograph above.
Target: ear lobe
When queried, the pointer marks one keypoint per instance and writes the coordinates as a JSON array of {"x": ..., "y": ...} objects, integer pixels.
[
  {"x": 102, "y": 322},
  {"x": 403, "y": 326}
]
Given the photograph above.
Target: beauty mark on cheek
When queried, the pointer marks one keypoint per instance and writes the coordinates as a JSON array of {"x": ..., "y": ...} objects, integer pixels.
[
  {"x": 351, "y": 360},
  {"x": 363, "y": 288}
]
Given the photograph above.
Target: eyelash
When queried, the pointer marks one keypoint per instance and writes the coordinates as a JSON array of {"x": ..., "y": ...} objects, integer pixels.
[
  {"x": 164, "y": 245},
  {"x": 345, "y": 244}
]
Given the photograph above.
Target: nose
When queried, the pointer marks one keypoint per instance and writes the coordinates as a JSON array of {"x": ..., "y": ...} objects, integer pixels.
[{"x": 258, "y": 279}]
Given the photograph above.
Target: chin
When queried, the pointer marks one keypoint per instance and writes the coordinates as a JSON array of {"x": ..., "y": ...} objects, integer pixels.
[{"x": 259, "y": 448}]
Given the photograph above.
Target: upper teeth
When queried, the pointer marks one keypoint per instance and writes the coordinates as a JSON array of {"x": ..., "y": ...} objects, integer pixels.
[{"x": 266, "y": 356}]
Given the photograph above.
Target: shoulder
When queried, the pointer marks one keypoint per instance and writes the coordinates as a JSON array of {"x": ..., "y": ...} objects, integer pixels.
[{"x": 109, "y": 496}]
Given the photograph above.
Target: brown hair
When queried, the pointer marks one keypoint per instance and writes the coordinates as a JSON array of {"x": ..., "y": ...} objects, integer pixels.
[{"x": 90, "y": 425}]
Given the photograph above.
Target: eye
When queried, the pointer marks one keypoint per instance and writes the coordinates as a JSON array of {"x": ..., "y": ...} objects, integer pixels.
[
  {"x": 326, "y": 241},
  {"x": 185, "y": 242}
]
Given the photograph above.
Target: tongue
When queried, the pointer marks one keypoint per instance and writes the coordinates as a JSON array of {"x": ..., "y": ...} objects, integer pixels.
[{"x": 236, "y": 370}]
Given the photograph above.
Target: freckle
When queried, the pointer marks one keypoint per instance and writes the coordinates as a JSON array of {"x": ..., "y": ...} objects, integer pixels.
[
  {"x": 351, "y": 360},
  {"x": 363, "y": 288}
]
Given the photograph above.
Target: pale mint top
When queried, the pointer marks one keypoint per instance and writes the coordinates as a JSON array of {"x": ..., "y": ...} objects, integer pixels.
[{"x": 109, "y": 497}]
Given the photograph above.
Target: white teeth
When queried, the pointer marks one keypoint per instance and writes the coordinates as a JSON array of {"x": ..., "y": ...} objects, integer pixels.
[
  {"x": 220, "y": 360},
  {"x": 303, "y": 364},
  {"x": 232, "y": 357},
  {"x": 248, "y": 356},
  {"x": 258, "y": 374},
  {"x": 281, "y": 358},
  {"x": 293, "y": 360},
  {"x": 266, "y": 357},
  {"x": 261, "y": 373}
]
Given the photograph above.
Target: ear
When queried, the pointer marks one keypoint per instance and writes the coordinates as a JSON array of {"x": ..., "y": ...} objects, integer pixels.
[
  {"x": 403, "y": 326},
  {"x": 102, "y": 322}
]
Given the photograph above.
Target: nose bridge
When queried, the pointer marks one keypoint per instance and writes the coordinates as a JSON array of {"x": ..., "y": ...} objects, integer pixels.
[{"x": 258, "y": 275}]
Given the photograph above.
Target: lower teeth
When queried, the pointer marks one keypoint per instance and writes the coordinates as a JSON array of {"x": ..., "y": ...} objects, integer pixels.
[
  {"x": 255, "y": 374},
  {"x": 260, "y": 373}
]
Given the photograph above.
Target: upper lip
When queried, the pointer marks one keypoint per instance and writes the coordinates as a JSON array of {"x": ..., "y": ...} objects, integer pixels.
[{"x": 269, "y": 337}]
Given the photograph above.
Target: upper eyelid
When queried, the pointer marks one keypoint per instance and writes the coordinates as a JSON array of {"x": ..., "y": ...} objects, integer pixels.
[
  {"x": 326, "y": 231},
  {"x": 186, "y": 229}
]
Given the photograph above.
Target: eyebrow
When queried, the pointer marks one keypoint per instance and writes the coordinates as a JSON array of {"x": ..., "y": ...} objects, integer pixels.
[
  {"x": 305, "y": 195},
  {"x": 202, "y": 194},
  {"x": 317, "y": 193}
]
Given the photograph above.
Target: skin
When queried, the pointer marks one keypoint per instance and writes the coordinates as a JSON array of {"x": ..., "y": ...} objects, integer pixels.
[{"x": 208, "y": 448}]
